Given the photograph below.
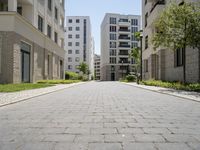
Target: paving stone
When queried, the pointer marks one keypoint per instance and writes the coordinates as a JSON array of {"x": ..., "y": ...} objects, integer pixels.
[
  {"x": 71, "y": 146},
  {"x": 148, "y": 138},
  {"x": 89, "y": 138},
  {"x": 172, "y": 146},
  {"x": 194, "y": 145},
  {"x": 103, "y": 130},
  {"x": 105, "y": 146},
  {"x": 139, "y": 146},
  {"x": 116, "y": 138}
]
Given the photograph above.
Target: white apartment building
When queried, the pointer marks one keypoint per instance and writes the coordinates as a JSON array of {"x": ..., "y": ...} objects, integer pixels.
[
  {"x": 97, "y": 65},
  {"x": 79, "y": 43},
  {"x": 117, "y": 40},
  {"x": 165, "y": 64},
  {"x": 31, "y": 40}
]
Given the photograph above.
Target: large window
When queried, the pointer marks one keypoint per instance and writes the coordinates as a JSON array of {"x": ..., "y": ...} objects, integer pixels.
[
  {"x": 146, "y": 69},
  {"x": 179, "y": 57},
  {"x": 40, "y": 23},
  {"x": 113, "y": 28},
  {"x": 113, "y": 36},
  {"x": 146, "y": 17},
  {"x": 134, "y": 22},
  {"x": 112, "y": 52},
  {"x": 112, "y": 44},
  {"x": 49, "y": 4},
  {"x": 77, "y": 28},
  {"x": 70, "y": 21},
  {"x": 146, "y": 42},
  {"x": 70, "y": 51},
  {"x": 69, "y": 59},
  {"x": 113, "y": 20},
  {"x": 69, "y": 43},
  {"x": 49, "y": 31},
  {"x": 69, "y": 28},
  {"x": 77, "y": 43},
  {"x": 56, "y": 37},
  {"x": 69, "y": 36},
  {"x": 112, "y": 60},
  {"x": 77, "y": 52},
  {"x": 56, "y": 13}
]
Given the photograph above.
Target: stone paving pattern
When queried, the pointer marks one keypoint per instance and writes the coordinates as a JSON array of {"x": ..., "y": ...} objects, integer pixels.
[{"x": 101, "y": 116}]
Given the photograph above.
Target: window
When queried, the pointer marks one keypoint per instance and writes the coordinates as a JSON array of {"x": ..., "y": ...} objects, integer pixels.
[
  {"x": 146, "y": 17},
  {"x": 70, "y": 28},
  {"x": 56, "y": 37},
  {"x": 112, "y": 60},
  {"x": 70, "y": 21},
  {"x": 77, "y": 28},
  {"x": 145, "y": 65},
  {"x": 133, "y": 38},
  {"x": 69, "y": 59},
  {"x": 112, "y": 52},
  {"x": 112, "y": 44},
  {"x": 69, "y": 43},
  {"x": 146, "y": 42},
  {"x": 49, "y": 4},
  {"x": 178, "y": 57},
  {"x": 49, "y": 31},
  {"x": 77, "y": 36},
  {"x": 77, "y": 21},
  {"x": 77, "y": 59},
  {"x": 69, "y": 51},
  {"x": 56, "y": 13},
  {"x": 77, "y": 43},
  {"x": 134, "y": 22},
  {"x": 145, "y": 2},
  {"x": 61, "y": 21},
  {"x": 133, "y": 45},
  {"x": 113, "y": 28},
  {"x": 113, "y": 36},
  {"x": 40, "y": 23},
  {"x": 69, "y": 36},
  {"x": 77, "y": 52},
  {"x": 69, "y": 67},
  {"x": 113, "y": 20},
  {"x": 134, "y": 29}
]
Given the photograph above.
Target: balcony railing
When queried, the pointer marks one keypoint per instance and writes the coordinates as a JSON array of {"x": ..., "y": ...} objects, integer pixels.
[
  {"x": 157, "y": 2},
  {"x": 124, "y": 38},
  {"x": 128, "y": 46},
  {"x": 125, "y": 30}
]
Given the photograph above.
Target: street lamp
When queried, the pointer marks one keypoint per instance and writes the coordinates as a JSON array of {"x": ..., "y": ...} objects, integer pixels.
[
  {"x": 122, "y": 69},
  {"x": 141, "y": 37}
]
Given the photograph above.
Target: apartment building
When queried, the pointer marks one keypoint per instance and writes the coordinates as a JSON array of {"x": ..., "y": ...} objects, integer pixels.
[
  {"x": 97, "y": 62},
  {"x": 31, "y": 40},
  {"x": 117, "y": 40},
  {"x": 165, "y": 64},
  {"x": 79, "y": 43}
]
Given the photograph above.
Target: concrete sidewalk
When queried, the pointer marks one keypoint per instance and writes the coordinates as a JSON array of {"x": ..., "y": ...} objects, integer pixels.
[
  {"x": 195, "y": 96},
  {"x": 9, "y": 98}
]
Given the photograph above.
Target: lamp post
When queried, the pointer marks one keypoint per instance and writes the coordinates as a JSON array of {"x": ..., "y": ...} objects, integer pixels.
[
  {"x": 122, "y": 69},
  {"x": 141, "y": 37}
]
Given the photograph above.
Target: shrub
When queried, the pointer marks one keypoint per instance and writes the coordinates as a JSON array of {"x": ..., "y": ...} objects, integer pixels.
[
  {"x": 131, "y": 78},
  {"x": 71, "y": 76},
  {"x": 173, "y": 85}
]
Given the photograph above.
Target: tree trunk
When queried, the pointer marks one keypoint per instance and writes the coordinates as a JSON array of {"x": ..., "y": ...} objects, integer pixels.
[{"x": 184, "y": 64}]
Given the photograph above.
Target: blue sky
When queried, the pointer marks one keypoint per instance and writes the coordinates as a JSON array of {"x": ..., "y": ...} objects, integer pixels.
[{"x": 96, "y": 9}]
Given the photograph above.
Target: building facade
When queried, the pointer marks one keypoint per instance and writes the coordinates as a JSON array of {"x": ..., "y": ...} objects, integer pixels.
[
  {"x": 79, "y": 43},
  {"x": 31, "y": 40},
  {"x": 165, "y": 64},
  {"x": 97, "y": 65},
  {"x": 117, "y": 40}
]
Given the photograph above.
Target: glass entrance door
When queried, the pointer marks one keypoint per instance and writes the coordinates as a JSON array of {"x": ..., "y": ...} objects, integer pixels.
[{"x": 25, "y": 62}]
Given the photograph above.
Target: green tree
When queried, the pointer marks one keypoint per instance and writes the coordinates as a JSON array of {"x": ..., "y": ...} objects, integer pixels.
[
  {"x": 83, "y": 67},
  {"x": 177, "y": 28},
  {"x": 136, "y": 54}
]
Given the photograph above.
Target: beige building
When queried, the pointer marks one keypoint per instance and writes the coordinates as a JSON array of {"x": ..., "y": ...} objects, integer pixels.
[
  {"x": 97, "y": 65},
  {"x": 117, "y": 40},
  {"x": 165, "y": 64},
  {"x": 31, "y": 40}
]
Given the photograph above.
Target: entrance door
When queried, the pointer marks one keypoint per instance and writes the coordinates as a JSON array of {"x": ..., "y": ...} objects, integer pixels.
[
  {"x": 112, "y": 76},
  {"x": 25, "y": 62}
]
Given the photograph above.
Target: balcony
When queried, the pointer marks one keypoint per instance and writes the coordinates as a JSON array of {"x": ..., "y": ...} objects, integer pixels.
[
  {"x": 124, "y": 38},
  {"x": 124, "y": 22},
  {"x": 124, "y": 30},
  {"x": 157, "y": 2},
  {"x": 156, "y": 9}
]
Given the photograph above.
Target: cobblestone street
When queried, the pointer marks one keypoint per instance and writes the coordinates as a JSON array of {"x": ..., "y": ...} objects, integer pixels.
[{"x": 101, "y": 116}]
